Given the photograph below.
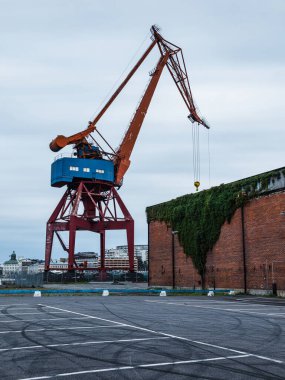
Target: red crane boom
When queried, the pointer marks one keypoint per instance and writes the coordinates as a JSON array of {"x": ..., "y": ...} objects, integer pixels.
[
  {"x": 123, "y": 153},
  {"x": 172, "y": 57}
]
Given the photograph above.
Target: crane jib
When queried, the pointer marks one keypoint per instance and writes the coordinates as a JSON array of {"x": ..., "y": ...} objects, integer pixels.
[{"x": 171, "y": 56}]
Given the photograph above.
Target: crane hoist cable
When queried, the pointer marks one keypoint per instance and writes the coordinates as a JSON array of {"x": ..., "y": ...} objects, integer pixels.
[
  {"x": 209, "y": 159},
  {"x": 196, "y": 154}
]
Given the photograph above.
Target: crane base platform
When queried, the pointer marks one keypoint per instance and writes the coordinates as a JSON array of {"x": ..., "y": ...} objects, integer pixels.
[{"x": 93, "y": 206}]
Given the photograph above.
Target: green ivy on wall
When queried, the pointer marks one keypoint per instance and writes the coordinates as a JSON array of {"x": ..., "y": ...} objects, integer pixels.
[{"x": 199, "y": 217}]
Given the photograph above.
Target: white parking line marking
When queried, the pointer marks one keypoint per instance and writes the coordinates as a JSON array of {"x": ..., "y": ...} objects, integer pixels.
[
  {"x": 150, "y": 365},
  {"x": 194, "y": 361},
  {"x": 14, "y": 304},
  {"x": 233, "y": 305},
  {"x": 51, "y": 312},
  {"x": 238, "y": 304},
  {"x": 58, "y": 328},
  {"x": 257, "y": 299},
  {"x": 41, "y": 319},
  {"x": 230, "y": 303},
  {"x": 222, "y": 303},
  {"x": 22, "y": 308},
  {"x": 216, "y": 308},
  {"x": 165, "y": 334},
  {"x": 81, "y": 343}
]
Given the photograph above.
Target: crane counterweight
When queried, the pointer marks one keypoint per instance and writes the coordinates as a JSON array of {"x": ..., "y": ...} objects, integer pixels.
[{"x": 58, "y": 143}]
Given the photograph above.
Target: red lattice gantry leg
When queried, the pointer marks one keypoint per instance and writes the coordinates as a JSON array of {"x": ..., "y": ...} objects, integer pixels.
[{"x": 89, "y": 206}]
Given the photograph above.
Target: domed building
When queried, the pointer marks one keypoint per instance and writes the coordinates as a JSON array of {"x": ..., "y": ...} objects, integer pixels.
[{"x": 11, "y": 265}]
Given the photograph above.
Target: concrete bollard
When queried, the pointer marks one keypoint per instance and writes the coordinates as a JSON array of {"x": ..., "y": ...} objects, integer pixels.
[
  {"x": 105, "y": 293},
  {"x": 211, "y": 293},
  {"x": 162, "y": 293},
  {"x": 37, "y": 293}
]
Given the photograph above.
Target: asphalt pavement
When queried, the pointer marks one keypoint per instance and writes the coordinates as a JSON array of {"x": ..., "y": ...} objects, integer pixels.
[{"x": 139, "y": 337}]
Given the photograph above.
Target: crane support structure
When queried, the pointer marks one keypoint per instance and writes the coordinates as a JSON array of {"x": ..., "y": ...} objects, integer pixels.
[
  {"x": 91, "y": 201},
  {"x": 89, "y": 206}
]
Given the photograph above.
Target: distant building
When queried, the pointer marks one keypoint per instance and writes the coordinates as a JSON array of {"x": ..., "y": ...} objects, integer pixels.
[
  {"x": 21, "y": 264},
  {"x": 54, "y": 266},
  {"x": 25, "y": 264},
  {"x": 12, "y": 265},
  {"x": 116, "y": 263},
  {"x": 141, "y": 252},
  {"x": 86, "y": 255},
  {"x": 116, "y": 258},
  {"x": 35, "y": 266},
  {"x": 119, "y": 263}
]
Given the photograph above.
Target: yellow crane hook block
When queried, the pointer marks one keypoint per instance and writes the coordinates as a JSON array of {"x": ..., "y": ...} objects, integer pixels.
[{"x": 197, "y": 184}]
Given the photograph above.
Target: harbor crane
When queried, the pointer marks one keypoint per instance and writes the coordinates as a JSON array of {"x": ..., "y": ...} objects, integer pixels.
[{"x": 92, "y": 175}]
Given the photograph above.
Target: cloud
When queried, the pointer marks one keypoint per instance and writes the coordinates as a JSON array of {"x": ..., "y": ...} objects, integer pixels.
[{"x": 60, "y": 59}]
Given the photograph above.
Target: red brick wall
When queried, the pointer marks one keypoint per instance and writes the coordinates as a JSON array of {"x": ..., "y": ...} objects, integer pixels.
[
  {"x": 264, "y": 237},
  {"x": 160, "y": 259}
]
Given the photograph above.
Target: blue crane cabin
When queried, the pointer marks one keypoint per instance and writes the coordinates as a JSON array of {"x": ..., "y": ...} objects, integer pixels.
[{"x": 67, "y": 169}]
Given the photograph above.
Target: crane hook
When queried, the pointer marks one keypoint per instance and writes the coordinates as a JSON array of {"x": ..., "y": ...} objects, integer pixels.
[{"x": 197, "y": 184}]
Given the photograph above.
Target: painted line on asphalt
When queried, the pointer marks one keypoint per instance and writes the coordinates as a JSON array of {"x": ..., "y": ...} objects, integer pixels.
[
  {"x": 81, "y": 343},
  {"x": 23, "y": 308},
  {"x": 41, "y": 319},
  {"x": 251, "y": 312},
  {"x": 210, "y": 300},
  {"x": 231, "y": 307},
  {"x": 273, "y": 302},
  {"x": 216, "y": 303},
  {"x": 165, "y": 334},
  {"x": 215, "y": 308},
  {"x": 250, "y": 299},
  {"x": 58, "y": 329},
  {"x": 14, "y": 304},
  {"x": 149, "y": 365},
  {"x": 222, "y": 303},
  {"x": 42, "y": 313}
]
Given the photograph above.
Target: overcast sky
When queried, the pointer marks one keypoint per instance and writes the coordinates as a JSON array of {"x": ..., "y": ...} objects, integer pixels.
[{"x": 60, "y": 59}]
